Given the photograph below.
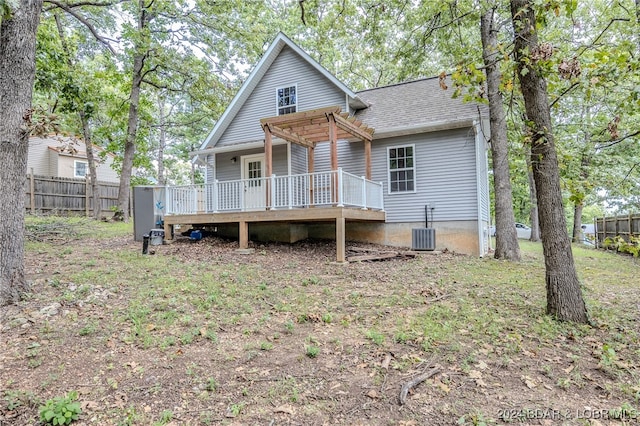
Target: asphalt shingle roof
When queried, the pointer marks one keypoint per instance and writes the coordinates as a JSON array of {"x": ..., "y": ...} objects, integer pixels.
[{"x": 415, "y": 103}]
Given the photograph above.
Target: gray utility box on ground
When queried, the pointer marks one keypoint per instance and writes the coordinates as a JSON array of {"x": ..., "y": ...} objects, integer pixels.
[{"x": 148, "y": 210}]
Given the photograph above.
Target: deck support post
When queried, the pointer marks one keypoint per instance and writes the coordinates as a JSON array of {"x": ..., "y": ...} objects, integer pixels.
[
  {"x": 333, "y": 149},
  {"x": 243, "y": 228},
  {"x": 268, "y": 158},
  {"x": 340, "y": 240},
  {"x": 168, "y": 231},
  {"x": 310, "y": 170},
  {"x": 367, "y": 159}
]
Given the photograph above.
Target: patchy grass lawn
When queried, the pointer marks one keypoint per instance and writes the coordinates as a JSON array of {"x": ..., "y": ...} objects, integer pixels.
[{"x": 200, "y": 334}]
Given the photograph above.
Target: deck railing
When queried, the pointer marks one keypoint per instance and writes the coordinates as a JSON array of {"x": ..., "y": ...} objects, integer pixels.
[{"x": 334, "y": 188}]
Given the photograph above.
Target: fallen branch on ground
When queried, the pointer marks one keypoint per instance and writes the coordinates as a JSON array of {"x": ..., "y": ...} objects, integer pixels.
[
  {"x": 358, "y": 254},
  {"x": 415, "y": 382}
]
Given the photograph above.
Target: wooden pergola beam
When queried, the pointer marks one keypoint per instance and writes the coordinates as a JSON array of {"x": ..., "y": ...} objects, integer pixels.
[
  {"x": 348, "y": 127},
  {"x": 296, "y": 116},
  {"x": 324, "y": 136},
  {"x": 319, "y": 125},
  {"x": 289, "y": 136}
]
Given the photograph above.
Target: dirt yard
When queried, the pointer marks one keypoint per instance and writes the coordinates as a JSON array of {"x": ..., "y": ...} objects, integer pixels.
[{"x": 198, "y": 333}]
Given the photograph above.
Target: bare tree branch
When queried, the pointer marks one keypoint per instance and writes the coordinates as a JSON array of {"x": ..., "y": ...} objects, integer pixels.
[
  {"x": 162, "y": 86},
  {"x": 595, "y": 40},
  {"x": 564, "y": 92},
  {"x": 617, "y": 141},
  {"x": 301, "y": 3},
  {"x": 92, "y": 3},
  {"x": 150, "y": 70},
  {"x": 86, "y": 23}
]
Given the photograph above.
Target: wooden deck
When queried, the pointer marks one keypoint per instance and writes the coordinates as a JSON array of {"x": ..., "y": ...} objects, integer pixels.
[{"x": 341, "y": 215}]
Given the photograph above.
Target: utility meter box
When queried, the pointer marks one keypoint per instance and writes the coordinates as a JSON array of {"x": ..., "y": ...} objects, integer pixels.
[
  {"x": 156, "y": 236},
  {"x": 148, "y": 210}
]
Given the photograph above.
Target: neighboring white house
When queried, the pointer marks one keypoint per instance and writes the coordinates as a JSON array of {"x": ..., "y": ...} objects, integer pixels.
[{"x": 63, "y": 156}]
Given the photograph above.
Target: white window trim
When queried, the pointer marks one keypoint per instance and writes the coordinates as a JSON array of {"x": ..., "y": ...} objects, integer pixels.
[
  {"x": 297, "y": 96},
  {"x": 75, "y": 168},
  {"x": 414, "y": 168}
]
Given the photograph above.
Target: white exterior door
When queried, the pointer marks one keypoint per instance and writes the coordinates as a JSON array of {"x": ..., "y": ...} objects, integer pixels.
[{"x": 254, "y": 185}]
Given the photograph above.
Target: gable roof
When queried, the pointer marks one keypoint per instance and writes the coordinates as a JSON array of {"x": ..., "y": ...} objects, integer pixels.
[
  {"x": 256, "y": 75},
  {"x": 416, "y": 106}
]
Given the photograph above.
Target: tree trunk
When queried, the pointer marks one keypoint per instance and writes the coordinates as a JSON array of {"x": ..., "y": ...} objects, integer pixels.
[
  {"x": 564, "y": 297},
  {"x": 84, "y": 123},
  {"x": 91, "y": 162},
  {"x": 17, "y": 73},
  {"x": 638, "y": 20},
  {"x": 506, "y": 236},
  {"x": 577, "y": 234},
  {"x": 130, "y": 143},
  {"x": 140, "y": 54},
  {"x": 162, "y": 142},
  {"x": 533, "y": 199}
]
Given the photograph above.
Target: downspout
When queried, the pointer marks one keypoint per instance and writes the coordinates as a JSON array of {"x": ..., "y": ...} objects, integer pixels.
[
  {"x": 488, "y": 211},
  {"x": 478, "y": 189}
]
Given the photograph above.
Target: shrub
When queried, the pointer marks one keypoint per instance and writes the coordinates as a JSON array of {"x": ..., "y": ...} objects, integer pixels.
[{"x": 620, "y": 245}]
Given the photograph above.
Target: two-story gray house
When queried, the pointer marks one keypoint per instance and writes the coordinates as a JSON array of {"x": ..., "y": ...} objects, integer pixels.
[{"x": 297, "y": 154}]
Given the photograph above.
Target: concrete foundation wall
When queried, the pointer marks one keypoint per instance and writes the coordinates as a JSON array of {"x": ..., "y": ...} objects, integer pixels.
[{"x": 456, "y": 236}]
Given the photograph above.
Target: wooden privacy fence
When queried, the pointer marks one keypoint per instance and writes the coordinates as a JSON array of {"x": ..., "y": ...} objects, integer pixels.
[
  {"x": 625, "y": 226},
  {"x": 67, "y": 195}
]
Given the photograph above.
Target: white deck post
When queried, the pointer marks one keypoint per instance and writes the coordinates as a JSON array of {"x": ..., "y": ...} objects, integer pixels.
[
  {"x": 195, "y": 199},
  {"x": 215, "y": 196},
  {"x": 166, "y": 200},
  {"x": 340, "y": 190},
  {"x": 364, "y": 193},
  {"x": 274, "y": 190},
  {"x": 290, "y": 191}
]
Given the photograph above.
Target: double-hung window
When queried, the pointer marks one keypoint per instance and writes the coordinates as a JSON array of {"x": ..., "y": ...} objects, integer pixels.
[
  {"x": 287, "y": 99},
  {"x": 80, "y": 169},
  {"x": 402, "y": 173}
]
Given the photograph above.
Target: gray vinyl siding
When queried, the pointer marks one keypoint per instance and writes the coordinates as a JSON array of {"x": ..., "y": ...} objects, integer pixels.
[
  {"x": 350, "y": 157},
  {"x": 298, "y": 159},
  {"x": 209, "y": 174},
  {"x": 280, "y": 164},
  {"x": 288, "y": 69},
  {"x": 233, "y": 171},
  {"x": 445, "y": 174}
]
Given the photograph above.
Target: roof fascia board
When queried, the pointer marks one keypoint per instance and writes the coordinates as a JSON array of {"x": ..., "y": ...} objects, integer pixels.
[
  {"x": 318, "y": 67},
  {"x": 236, "y": 147},
  {"x": 423, "y": 128},
  {"x": 249, "y": 84}
]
